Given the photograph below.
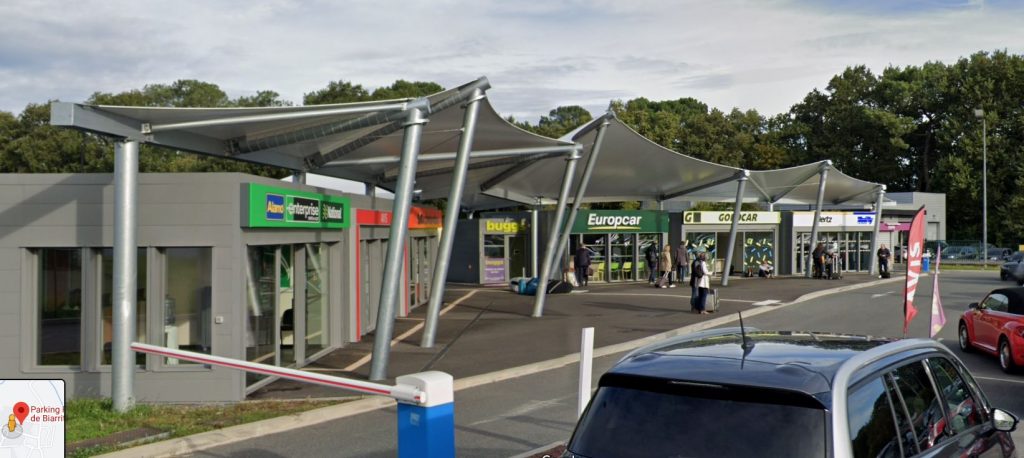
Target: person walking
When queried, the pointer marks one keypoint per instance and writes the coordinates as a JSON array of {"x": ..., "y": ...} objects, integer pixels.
[
  {"x": 582, "y": 260},
  {"x": 651, "y": 257},
  {"x": 665, "y": 263},
  {"x": 883, "y": 260},
  {"x": 682, "y": 261},
  {"x": 700, "y": 282}
]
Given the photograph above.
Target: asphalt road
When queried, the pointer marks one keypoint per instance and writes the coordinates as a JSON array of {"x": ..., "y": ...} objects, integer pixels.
[{"x": 511, "y": 417}]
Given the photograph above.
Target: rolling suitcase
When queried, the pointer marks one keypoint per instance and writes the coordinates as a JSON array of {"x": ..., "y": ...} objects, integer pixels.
[
  {"x": 661, "y": 282},
  {"x": 711, "y": 306},
  {"x": 886, "y": 274}
]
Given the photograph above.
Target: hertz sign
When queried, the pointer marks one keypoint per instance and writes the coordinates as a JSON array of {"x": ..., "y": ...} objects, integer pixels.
[{"x": 288, "y": 208}]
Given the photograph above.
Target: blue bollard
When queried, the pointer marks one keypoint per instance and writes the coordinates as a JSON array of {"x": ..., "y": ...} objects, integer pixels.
[
  {"x": 427, "y": 430},
  {"x": 926, "y": 264}
]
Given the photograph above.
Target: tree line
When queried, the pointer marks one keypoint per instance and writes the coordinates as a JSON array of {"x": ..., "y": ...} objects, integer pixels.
[{"x": 911, "y": 128}]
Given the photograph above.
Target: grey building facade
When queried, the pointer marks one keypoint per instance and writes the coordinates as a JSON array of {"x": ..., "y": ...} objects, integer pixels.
[{"x": 228, "y": 264}]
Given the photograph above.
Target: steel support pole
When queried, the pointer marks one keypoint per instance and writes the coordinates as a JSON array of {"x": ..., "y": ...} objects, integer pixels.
[
  {"x": 533, "y": 240},
  {"x": 549, "y": 253},
  {"x": 122, "y": 371},
  {"x": 808, "y": 266},
  {"x": 581, "y": 189},
  {"x": 451, "y": 219},
  {"x": 741, "y": 185},
  {"x": 873, "y": 270},
  {"x": 390, "y": 290},
  {"x": 984, "y": 193}
]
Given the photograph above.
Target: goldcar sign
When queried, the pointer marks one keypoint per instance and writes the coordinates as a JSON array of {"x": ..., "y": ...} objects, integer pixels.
[
  {"x": 287, "y": 208},
  {"x": 713, "y": 217},
  {"x": 603, "y": 221}
]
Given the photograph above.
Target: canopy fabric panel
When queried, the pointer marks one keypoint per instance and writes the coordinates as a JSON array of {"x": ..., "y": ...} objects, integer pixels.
[
  {"x": 632, "y": 167},
  {"x": 363, "y": 141}
]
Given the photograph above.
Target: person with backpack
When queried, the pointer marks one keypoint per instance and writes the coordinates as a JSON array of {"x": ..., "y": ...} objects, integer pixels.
[
  {"x": 700, "y": 283},
  {"x": 651, "y": 257}
]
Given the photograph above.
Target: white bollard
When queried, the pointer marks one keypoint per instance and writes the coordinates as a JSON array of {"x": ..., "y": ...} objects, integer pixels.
[{"x": 586, "y": 368}]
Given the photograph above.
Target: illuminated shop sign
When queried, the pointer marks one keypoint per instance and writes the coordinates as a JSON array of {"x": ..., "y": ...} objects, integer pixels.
[{"x": 287, "y": 208}]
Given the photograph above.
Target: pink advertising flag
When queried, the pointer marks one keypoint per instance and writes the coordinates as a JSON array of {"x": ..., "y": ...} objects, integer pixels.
[
  {"x": 938, "y": 315},
  {"x": 915, "y": 250}
]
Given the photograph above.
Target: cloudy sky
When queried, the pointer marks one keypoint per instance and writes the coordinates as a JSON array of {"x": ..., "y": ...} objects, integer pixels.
[{"x": 762, "y": 54}]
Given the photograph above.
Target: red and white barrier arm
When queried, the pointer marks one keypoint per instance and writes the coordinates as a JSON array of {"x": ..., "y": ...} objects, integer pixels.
[{"x": 398, "y": 392}]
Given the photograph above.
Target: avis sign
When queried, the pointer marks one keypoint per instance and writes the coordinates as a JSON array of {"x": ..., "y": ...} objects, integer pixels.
[{"x": 270, "y": 206}]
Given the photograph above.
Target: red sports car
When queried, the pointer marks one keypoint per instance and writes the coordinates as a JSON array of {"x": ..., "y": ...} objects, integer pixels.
[{"x": 996, "y": 326}]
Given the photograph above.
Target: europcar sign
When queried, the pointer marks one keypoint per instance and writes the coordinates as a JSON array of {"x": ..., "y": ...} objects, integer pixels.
[
  {"x": 287, "y": 208},
  {"x": 620, "y": 221}
]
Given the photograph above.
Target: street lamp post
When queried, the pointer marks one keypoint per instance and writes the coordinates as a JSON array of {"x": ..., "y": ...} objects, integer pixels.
[{"x": 980, "y": 113}]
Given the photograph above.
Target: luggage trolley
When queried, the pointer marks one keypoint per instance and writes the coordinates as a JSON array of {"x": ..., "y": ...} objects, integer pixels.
[{"x": 833, "y": 265}]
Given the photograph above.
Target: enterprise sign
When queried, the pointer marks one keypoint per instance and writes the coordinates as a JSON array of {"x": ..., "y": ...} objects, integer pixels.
[{"x": 287, "y": 208}]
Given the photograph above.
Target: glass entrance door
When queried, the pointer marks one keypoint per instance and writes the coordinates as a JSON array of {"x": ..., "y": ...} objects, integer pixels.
[{"x": 261, "y": 299}]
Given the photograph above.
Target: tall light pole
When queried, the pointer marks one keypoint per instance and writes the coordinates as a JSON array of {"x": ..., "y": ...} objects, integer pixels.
[{"x": 979, "y": 113}]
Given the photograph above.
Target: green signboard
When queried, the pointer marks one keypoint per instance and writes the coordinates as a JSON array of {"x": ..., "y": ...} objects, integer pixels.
[
  {"x": 603, "y": 221},
  {"x": 287, "y": 208}
]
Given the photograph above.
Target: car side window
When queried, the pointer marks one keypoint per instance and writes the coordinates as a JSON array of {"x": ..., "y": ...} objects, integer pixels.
[
  {"x": 921, "y": 404},
  {"x": 964, "y": 411},
  {"x": 996, "y": 302},
  {"x": 872, "y": 422}
]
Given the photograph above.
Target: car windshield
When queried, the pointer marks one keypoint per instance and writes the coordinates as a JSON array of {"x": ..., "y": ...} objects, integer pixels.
[{"x": 692, "y": 423}]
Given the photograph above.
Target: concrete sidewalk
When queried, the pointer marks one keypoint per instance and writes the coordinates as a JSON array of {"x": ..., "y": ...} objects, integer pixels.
[
  {"x": 489, "y": 336},
  {"x": 492, "y": 329}
]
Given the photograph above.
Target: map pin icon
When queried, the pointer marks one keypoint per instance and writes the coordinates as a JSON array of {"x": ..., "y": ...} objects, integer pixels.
[{"x": 21, "y": 411}]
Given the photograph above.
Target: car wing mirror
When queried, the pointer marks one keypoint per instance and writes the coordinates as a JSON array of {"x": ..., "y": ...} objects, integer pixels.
[
  {"x": 972, "y": 305},
  {"x": 1003, "y": 420}
]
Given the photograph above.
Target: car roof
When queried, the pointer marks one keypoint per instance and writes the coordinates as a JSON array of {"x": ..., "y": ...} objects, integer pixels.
[
  {"x": 805, "y": 362},
  {"x": 1015, "y": 297}
]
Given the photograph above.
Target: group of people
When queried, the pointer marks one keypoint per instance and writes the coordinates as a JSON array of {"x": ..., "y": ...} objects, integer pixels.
[
  {"x": 826, "y": 263},
  {"x": 662, "y": 262}
]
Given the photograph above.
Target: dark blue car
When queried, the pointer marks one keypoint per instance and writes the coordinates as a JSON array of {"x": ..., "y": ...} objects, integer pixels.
[{"x": 789, "y": 394}]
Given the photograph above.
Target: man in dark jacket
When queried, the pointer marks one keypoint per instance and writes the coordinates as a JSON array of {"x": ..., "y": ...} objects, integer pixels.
[
  {"x": 582, "y": 262},
  {"x": 883, "y": 260},
  {"x": 682, "y": 261},
  {"x": 651, "y": 256}
]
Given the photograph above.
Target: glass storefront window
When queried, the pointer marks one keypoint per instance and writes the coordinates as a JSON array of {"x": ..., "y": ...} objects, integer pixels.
[
  {"x": 260, "y": 290},
  {"x": 107, "y": 302},
  {"x": 187, "y": 300},
  {"x": 60, "y": 307},
  {"x": 621, "y": 263},
  {"x": 758, "y": 249},
  {"x": 317, "y": 274},
  {"x": 645, "y": 240}
]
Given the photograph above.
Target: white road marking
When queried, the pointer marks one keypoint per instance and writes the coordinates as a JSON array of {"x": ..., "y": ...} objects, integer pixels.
[
  {"x": 876, "y": 296},
  {"x": 663, "y": 295},
  {"x": 999, "y": 379},
  {"x": 766, "y": 302},
  {"x": 527, "y": 408},
  {"x": 365, "y": 359}
]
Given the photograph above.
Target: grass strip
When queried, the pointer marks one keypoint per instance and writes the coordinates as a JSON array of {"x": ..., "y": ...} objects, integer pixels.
[{"x": 93, "y": 418}]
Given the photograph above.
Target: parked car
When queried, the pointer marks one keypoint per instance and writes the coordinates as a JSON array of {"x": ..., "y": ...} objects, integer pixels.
[
  {"x": 960, "y": 252},
  {"x": 725, "y": 394},
  {"x": 997, "y": 254},
  {"x": 1008, "y": 269},
  {"x": 996, "y": 326}
]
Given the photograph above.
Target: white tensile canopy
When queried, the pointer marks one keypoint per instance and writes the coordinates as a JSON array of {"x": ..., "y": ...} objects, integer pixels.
[{"x": 437, "y": 144}]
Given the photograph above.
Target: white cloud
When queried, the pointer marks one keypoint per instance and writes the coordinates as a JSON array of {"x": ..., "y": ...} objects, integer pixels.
[{"x": 540, "y": 54}]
